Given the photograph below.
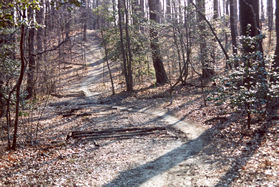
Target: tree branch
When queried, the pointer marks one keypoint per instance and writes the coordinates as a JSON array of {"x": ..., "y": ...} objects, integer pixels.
[
  {"x": 52, "y": 49},
  {"x": 213, "y": 31}
]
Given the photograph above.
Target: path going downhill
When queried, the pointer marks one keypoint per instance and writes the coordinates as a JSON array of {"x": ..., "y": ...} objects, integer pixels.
[
  {"x": 179, "y": 156},
  {"x": 166, "y": 169}
]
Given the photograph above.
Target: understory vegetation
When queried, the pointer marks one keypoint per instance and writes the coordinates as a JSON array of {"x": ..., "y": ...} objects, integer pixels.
[{"x": 107, "y": 73}]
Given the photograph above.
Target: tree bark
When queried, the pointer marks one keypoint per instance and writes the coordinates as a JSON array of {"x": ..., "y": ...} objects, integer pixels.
[
  {"x": 31, "y": 57},
  {"x": 68, "y": 23},
  {"x": 276, "y": 64},
  {"x": 233, "y": 20},
  {"x": 130, "y": 57},
  {"x": 215, "y": 7},
  {"x": 270, "y": 14},
  {"x": 168, "y": 11},
  {"x": 122, "y": 46},
  {"x": 161, "y": 76},
  {"x": 84, "y": 19},
  {"x": 262, "y": 12},
  {"x": 270, "y": 20},
  {"x": 206, "y": 71},
  {"x": 19, "y": 81},
  {"x": 40, "y": 32},
  {"x": 249, "y": 21}
]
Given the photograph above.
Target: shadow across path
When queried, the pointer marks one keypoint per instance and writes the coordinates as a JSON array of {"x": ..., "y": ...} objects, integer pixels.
[{"x": 143, "y": 173}]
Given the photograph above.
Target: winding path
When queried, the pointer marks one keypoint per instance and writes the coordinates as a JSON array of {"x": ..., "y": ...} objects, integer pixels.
[{"x": 166, "y": 169}]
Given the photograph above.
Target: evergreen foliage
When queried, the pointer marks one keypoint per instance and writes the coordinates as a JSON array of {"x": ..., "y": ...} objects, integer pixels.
[{"x": 248, "y": 88}]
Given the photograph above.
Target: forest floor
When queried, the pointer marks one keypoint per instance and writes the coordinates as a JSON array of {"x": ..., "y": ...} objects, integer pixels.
[{"x": 200, "y": 145}]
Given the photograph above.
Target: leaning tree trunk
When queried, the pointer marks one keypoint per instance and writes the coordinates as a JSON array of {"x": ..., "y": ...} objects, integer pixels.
[{"x": 161, "y": 76}]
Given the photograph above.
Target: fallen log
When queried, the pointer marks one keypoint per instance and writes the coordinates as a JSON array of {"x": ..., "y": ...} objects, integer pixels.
[
  {"x": 71, "y": 94},
  {"x": 116, "y": 133}
]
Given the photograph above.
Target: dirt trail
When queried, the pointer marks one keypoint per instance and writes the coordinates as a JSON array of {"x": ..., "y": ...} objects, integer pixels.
[
  {"x": 178, "y": 165},
  {"x": 185, "y": 154}
]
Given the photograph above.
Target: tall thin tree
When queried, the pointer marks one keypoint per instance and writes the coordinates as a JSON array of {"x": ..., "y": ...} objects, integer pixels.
[
  {"x": 233, "y": 23},
  {"x": 270, "y": 19},
  {"x": 276, "y": 64},
  {"x": 31, "y": 57},
  {"x": 129, "y": 85}
]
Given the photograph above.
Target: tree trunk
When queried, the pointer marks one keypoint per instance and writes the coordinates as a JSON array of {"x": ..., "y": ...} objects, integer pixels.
[
  {"x": 135, "y": 12},
  {"x": 233, "y": 20},
  {"x": 122, "y": 46},
  {"x": 114, "y": 12},
  {"x": 226, "y": 14},
  {"x": 19, "y": 81},
  {"x": 31, "y": 58},
  {"x": 84, "y": 19},
  {"x": 142, "y": 8},
  {"x": 262, "y": 12},
  {"x": 270, "y": 14},
  {"x": 130, "y": 58},
  {"x": 40, "y": 32},
  {"x": 276, "y": 64},
  {"x": 107, "y": 60},
  {"x": 206, "y": 72},
  {"x": 161, "y": 76},
  {"x": 270, "y": 20},
  {"x": 97, "y": 22},
  {"x": 168, "y": 11},
  {"x": 68, "y": 23},
  {"x": 215, "y": 7},
  {"x": 249, "y": 15},
  {"x": 249, "y": 23},
  {"x": 215, "y": 17}
]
